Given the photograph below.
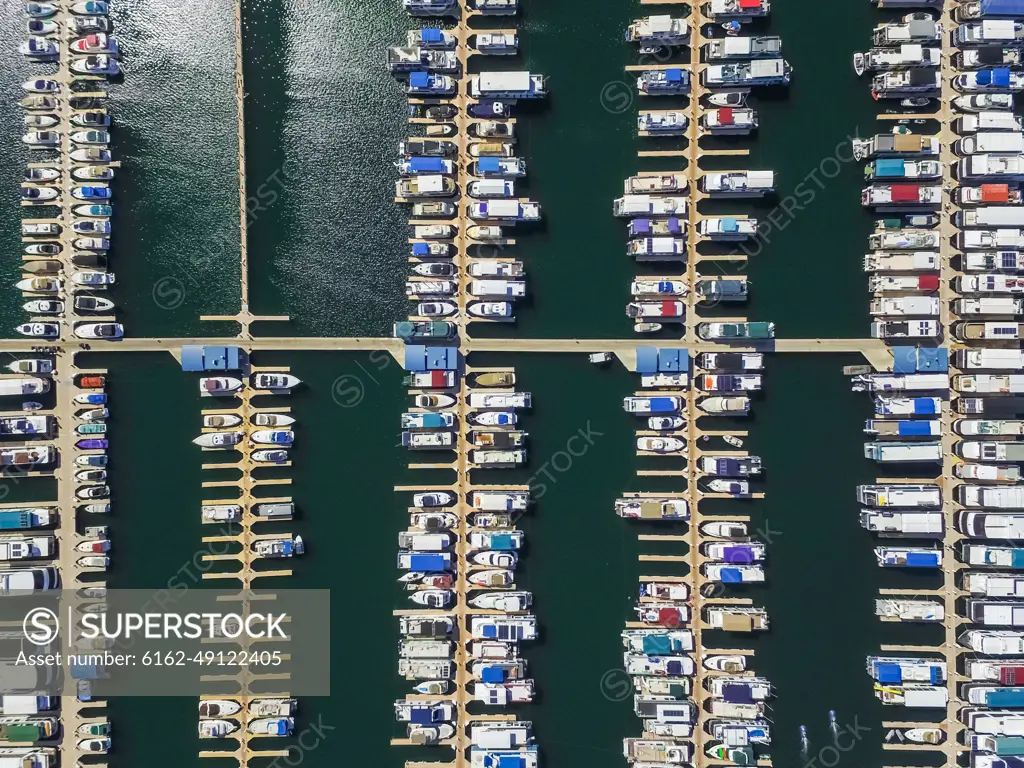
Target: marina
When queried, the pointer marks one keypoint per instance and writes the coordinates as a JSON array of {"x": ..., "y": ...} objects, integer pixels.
[{"x": 487, "y": 351}]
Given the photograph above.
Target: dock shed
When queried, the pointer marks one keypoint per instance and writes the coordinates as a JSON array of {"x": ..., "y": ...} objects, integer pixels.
[
  {"x": 199, "y": 358},
  {"x": 920, "y": 360},
  {"x": 653, "y": 360},
  {"x": 420, "y": 358}
]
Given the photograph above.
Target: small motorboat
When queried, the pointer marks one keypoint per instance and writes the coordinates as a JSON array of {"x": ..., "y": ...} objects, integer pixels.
[
  {"x": 221, "y": 513},
  {"x": 664, "y": 423},
  {"x": 90, "y": 155},
  {"x": 490, "y": 109},
  {"x": 91, "y": 8},
  {"x": 102, "y": 64},
  {"x": 275, "y": 381},
  {"x": 433, "y": 521},
  {"x": 92, "y": 492},
  {"x": 38, "y": 194},
  {"x": 435, "y": 688},
  {"x": 41, "y": 139},
  {"x": 924, "y": 735},
  {"x": 93, "y": 304},
  {"x": 495, "y": 310},
  {"x": 736, "y": 442},
  {"x": 433, "y": 499},
  {"x": 43, "y": 249},
  {"x": 724, "y": 529},
  {"x": 90, "y": 476},
  {"x": 219, "y": 385},
  {"x": 42, "y": 85},
  {"x": 41, "y": 174},
  {"x": 272, "y": 437},
  {"x": 219, "y": 440},
  {"x": 660, "y": 444},
  {"x": 436, "y": 309},
  {"x": 91, "y": 279},
  {"x": 731, "y": 664},
  {"x": 441, "y": 112},
  {"x": 94, "y": 729},
  {"x": 218, "y": 708},
  {"x": 91, "y": 428},
  {"x": 95, "y": 192},
  {"x": 216, "y": 729},
  {"x": 221, "y": 420},
  {"x": 496, "y": 559},
  {"x": 272, "y": 726},
  {"x": 92, "y": 227},
  {"x": 433, "y": 598},
  {"x": 92, "y": 460},
  {"x": 917, "y": 101},
  {"x": 269, "y": 456},
  {"x": 646, "y": 327},
  {"x": 435, "y": 269},
  {"x": 485, "y": 232},
  {"x": 92, "y": 444},
  {"x": 279, "y": 547},
  {"x": 733, "y": 98},
  {"x": 92, "y": 138},
  {"x": 31, "y": 405},
  {"x": 39, "y": 48},
  {"x": 93, "y": 173},
  {"x": 95, "y": 43},
  {"x": 95, "y": 211},
  {"x": 494, "y": 379},
  {"x": 39, "y": 330},
  {"x": 92, "y": 243},
  {"x": 491, "y": 578},
  {"x": 40, "y": 10},
  {"x": 434, "y": 402},
  {"x": 272, "y": 420},
  {"x": 31, "y": 365},
  {"x": 507, "y": 602},
  {"x": 93, "y": 414},
  {"x": 493, "y": 418},
  {"x": 84, "y": 25},
  {"x": 39, "y": 285},
  {"x": 44, "y": 307},
  {"x": 89, "y": 381},
  {"x": 99, "y": 331}
]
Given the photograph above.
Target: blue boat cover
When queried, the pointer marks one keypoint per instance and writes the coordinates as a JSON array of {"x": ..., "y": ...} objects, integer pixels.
[
  {"x": 214, "y": 358},
  {"x": 914, "y": 428},
  {"x": 511, "y": 761},
  {"x": 1017, "y": 558},
  {"x": 492, "y": 675},
  {"x": 888, "y": 673},
  {"x": 420, "y": 249},
  {"x": 442, "y": 358},
  {"x": 502, "y": 541},
  {"x": 889, "y": 167},
  {"x": 489, "y": 165},
  {"x": 936, "y": 359},
  {"x": 639, "y": 227},
  {"x": 737, "y": 693},
  {"x": 421, "y": 715},
  {"x": 419, "y": 79},
  {"x": 731, "y": 576},
  {"x": 430, "y": 35},
  {"x": 924, "y": 406},
  {"x": 1002, "y": 7},
  {"x": 425, "y": 164},
  {"x": 936, "y": 676},
  {"x": 662, "y": 405},
  {"x": 646, "y": 360},
  {"x": 655, "y": 645},
  {"x": 904, "y": 359},
  {"x": 730, "y": 225},
  {"x": 675, "y": 668},
  {"x": 738, "y": 554},
  {"x": 433, "y": 420},
  {"x": 674, "y": 226},
  {"x": 673, "y": 360},
  {"x": 433, "y": 562},
  {"x": 923, "y": 560},
  {"x": 1005, "y": 697},
  {"x": 416, "y": 358},
  {"x": 673, "y": 75},
  {"x": 727, "y": 466},
  {"x": 984, "y": 77},
  {"x": 1001, "y": 77}
]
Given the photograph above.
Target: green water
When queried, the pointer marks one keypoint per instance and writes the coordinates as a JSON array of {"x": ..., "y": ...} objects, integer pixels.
[{"x": 322, "y": 122}]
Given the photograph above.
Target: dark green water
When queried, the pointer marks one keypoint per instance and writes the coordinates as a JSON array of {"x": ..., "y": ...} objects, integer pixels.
[{"x": 322, "y": 121}]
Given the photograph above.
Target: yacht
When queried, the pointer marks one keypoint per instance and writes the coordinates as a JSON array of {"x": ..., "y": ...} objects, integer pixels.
[
  {"x": 909, "y": 610},
  {"x": 898, "y": 196},
  {"x": 895, "y": 168},
  {"x": 427, "y": 440},
  {"x": 506, "y": 602},
  {"x": 729, "y": 121},
  {"x": 908, "y": 557},
  {"x": 904, "y": 329},
  {"x": 915, "y": 28},
  {"x": 727, "y": 382},
  {"x": 496, "y": 43},
  {"x": 895, "y": 144},
  {"x": 983, "y": 102},
  {"x": 660, "y": 445},
  {"x": 731, "y": 361},
  {"x": 730, "y": 466},
  {"x": 221, "y": 513},
  {"x": 211, "y": 386},
  {"x": 216, "y": 728},
  {"x": 727, "y": 227},
  {"x": 999, "y": 80},
  {"x": 657, "y": 248},
  {"x": 643, "y": 406},
  {"x": 732, "y": 48},
  {"x": 903, "y": 83},
  {"x": 656, "y": 184},
  {"x": 772, "y": 71},
  {"x": 662, "y": 310},
  {"x": 731, "y": 406},
  {"x": 738, "y": 10}
]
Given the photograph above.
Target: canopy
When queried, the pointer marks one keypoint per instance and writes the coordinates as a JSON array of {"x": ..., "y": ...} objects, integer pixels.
[
  {"x": 502, "y": 541},
  {"x": 676, "y": 75},
  {"x": 725, "y": 116},
  {"x": 923, "y": 559},
  {"x": 888, "y": 673},
  {"x": 738, "y": 554},
  {"x": 905, "y": 193},
  {"x": 420, "y": 249},
  {"x": 995, "y": 193},
  {"x": 662, "y": 405},
  {"x": 889, "y": 167},
  {"x": 737, "y": 693},
  {"x": 419, "y": 79},
  {"x": 431, "y": 35},
  {"x": 915, "y": 429},
  {"x": 730, "y": 225},
  {"x": 731, "y": 576},
  {"x": 750, "y": 5},
  {"x": 489, "y": 165},
  {"x": 655, "y": 645},
  {"x": 492, "y": 675}
]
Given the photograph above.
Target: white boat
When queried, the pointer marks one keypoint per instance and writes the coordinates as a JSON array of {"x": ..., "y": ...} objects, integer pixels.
[
  {"x": 216, "y": 728},
  {"x": 99, "y": 331},
  {"x": 507, "y": 602},
  {"x": 221, "y": 420},
  {"x": 272, "y": 420},
  {"x": 725, "y": 405},
  {"x": 433, "y": 499},
  {"x": 269, "y": 456},
  {"x": 909, "y": 610},
  {"x": 31, "y": 365},
  {"x": 271, "y": 726},
  {"x": 283, "y": 437},
  {"x": 39, "y": 330},
  {"x": 274, "y": 381},
  {"x": 662, "y": 123},
  {"x": 219, "y": 439},
  {"x": 496, "y": 559},
  {"x": 210, "y": 386},
  {"x": 218, "y": 708},
  {"x": 724, "y": 529},
  {"x": 642, "y": 508},
  {"x": 663, "y": 445},
  {"x": 433, "y": 598},
  {"x": 44, "y": 307},
  {"x": 730, "y": 664},
  {"x": 101, "y": 64},
  {"x": 93, "y": 304},
  {"x": 665, "y": 423},
  {"x": 493, "y": 310},
  {"x": 39, "y": 285},
  {"x": 221, "y": 513},
  {"x": 279, "y": 547},
  {"x": 92, "y": 279}
]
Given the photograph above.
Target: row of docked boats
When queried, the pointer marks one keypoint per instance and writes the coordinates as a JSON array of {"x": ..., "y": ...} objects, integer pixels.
[
  {"x": 67, "y": 123},
  {"x": 219, "y": 718},
  {"x": 967, "y": 525},
  {"x": 462, "y": 177}
]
